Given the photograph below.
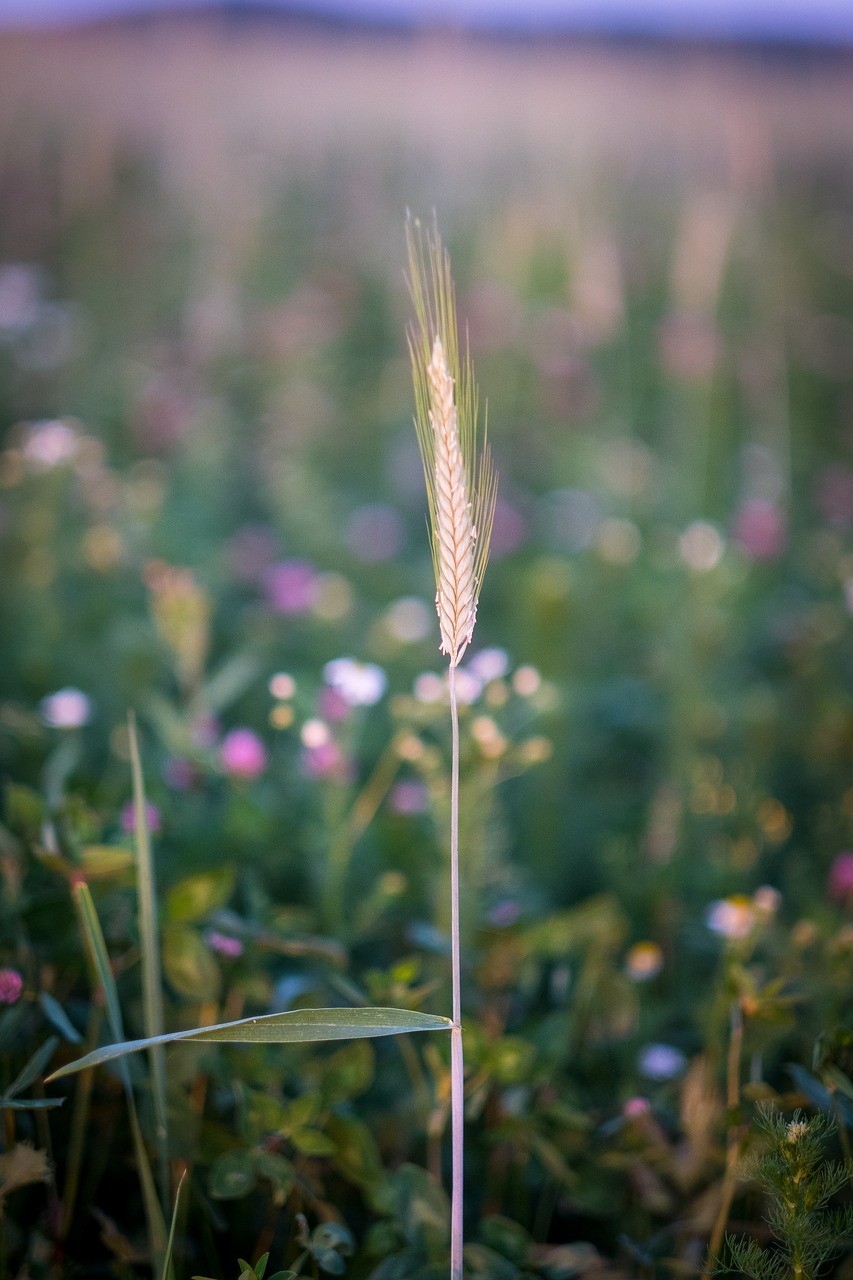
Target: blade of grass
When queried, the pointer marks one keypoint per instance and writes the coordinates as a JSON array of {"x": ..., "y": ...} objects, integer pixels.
[
  {"x": 167, "y": 1260},
  {"x": 79, "y": 1125},
  {"x": 149, "y": 942},
  {"x": 33, "y": 1069},
  {"x": 299, "y": 1026},
  {"x": 99, "y": 957}
]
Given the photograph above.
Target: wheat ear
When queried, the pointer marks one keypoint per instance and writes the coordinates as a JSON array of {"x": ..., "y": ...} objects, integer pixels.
[
  {"x": 461, "y": 488},
  {"x": 460, "y": 479}
]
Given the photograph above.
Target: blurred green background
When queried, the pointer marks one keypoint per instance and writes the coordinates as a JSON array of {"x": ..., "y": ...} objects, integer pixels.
[{"x": 210, "y": 490}]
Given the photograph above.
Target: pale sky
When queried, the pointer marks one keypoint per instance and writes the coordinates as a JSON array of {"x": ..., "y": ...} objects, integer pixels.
[{"x": 810, "y": 19}]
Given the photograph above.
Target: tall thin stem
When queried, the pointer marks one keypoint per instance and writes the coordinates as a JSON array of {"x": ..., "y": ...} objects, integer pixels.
[
  {"x": 457, "y": 1070},
  {"x": 461, "y": 491},
  {"x": 734, "y": 1144}
]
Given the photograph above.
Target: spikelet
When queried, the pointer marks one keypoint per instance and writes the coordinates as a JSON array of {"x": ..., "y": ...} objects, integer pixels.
[{"x": 460, "y": 480}]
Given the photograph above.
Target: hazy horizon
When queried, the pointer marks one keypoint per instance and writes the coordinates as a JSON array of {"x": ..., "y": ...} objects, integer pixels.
[{"x": 826, "y": 20}]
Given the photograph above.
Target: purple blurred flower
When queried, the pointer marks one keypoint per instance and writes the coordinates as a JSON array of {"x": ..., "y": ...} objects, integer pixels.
[
  {"x": 759, "y": 527},
  {"x": 332, "y": 705},
  {"x": 508, "y": 530},
  {"x": 252, "y": 552},
  {"x": 164, "y": 412},
  {"x": 205, "y": 731},
  {"x": 178, "y": 773},
  {"x": 505, "y": 913},
  {"x": 374, "y": 533},
  {"x": 661, "y": 1062},
  {"x": 20, "y": 295},
  {"x": 489, "y": 664},
  {"x": 840, "y": 880},
  {"x": 409, "y": 796},
  {"x": 835, "y": 496},
  {"x": 152, "y": 818},
  {"x": 225, "y": 945},
  {"x": 11, "y": 986},
  {"x": 327, "y": 761},
  {"x": 291, "y": 586},
  {"x": 242, "y": 754}
]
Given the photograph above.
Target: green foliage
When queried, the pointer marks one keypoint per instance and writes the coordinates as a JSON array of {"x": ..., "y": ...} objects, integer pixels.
[{"x": 799, "y": 1182}]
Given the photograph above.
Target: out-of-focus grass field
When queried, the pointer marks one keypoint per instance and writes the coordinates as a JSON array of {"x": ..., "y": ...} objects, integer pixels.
[{"x": 210, "y": 491}]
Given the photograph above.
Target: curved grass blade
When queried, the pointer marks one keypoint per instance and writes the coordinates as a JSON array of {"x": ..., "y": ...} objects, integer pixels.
[
  {"x": 298, "y": 1026},
  {"x": 30, "y": 1073},
  {"x": 33, "y": 1069},
  {"x": 167, "y": 1260},
  {"x": 149, "y": 942},
  {"x": 100, "y": 960},
  {"x": 30, "y": 1104},
  {"x": 58, "y": 1018}
]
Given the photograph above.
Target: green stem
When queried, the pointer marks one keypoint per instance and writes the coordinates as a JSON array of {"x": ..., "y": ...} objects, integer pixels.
[
  {"x": 457, "y": 1070},
  {"x": 734, "y": 1142},
  {"x": 79, "y": 1123},
  {"x": 360, "y": 817}
]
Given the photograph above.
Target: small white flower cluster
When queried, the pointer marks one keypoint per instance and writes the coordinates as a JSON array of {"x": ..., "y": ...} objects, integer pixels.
[
  {"x": 52, "y": 443},
  {"x": 736, "y": 916},
  {"x": 360, "y": 684},
  {"x": 68, "y": 708}
]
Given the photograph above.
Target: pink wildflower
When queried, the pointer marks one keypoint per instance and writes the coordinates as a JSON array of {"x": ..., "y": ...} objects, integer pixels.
[
  {"x": 227, "y": 946},
  {"x": 242, "y": 754},
  {"x": 11, "y": 986},
  {"x": 152, "y": 818},
  {"x": 326, "y": 760},
  {"x": 840, "y": 881},
  {"x": 759, "y": 527},
  {"x": 291, "y": 586},
  {"x": 332, "y": 705}
]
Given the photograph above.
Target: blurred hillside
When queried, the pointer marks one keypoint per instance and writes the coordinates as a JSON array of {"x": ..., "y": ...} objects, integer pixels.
[{"x": 222, "y": 103}]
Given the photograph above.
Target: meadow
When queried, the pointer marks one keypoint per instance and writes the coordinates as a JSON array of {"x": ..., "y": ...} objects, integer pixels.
[{"x": 217, "y": 611}]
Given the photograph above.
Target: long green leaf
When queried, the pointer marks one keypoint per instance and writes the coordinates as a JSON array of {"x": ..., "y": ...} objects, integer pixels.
[
  {"x": 57, "y": 1016},
  {"x": 33, "y": 1069},
  {"x": 152, "y": 982},
  {"x": 295, "y": 1027},
  {"x": 29, "y": 1104},
  {"x": 99, "y": 956}
]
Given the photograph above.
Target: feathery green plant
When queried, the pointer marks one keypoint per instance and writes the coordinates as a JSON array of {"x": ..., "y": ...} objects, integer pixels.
[{"x": 799, "y": 1182}]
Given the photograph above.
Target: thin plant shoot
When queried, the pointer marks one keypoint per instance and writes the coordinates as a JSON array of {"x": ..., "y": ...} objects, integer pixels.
[{"x": 461, "y": 490}]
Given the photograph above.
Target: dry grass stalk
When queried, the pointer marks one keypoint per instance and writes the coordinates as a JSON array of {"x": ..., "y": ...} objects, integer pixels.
[
  {"x": 461, "y": 483},
  {"x": 461, "y": 488}
]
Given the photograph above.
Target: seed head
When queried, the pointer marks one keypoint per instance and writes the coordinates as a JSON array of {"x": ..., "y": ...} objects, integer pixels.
[{"x": 460, "y": 479}]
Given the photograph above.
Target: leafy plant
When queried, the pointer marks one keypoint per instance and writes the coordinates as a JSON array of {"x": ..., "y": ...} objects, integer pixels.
[{"x": 799, "y": 1183}]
